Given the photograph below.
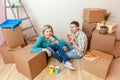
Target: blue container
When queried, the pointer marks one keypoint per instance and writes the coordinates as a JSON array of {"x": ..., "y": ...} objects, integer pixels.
[{"x": 11, "y": 23}]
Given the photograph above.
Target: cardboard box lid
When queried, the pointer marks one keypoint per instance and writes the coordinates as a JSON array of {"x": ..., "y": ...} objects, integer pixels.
[
  {"x": 93, "y": 9},
  {"x": 96, "y": 32},
  {"x": 105, "y": 59},
  {"x": 25, "y": 53}
]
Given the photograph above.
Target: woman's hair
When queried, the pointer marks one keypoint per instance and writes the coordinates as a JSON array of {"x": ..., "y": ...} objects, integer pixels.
[
  {"x": 75, "y": 23},
  {"x": 47, "y": 27}
]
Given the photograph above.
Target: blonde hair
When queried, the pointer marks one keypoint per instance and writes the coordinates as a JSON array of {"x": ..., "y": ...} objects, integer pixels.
[{"x": 47, "y": 27}]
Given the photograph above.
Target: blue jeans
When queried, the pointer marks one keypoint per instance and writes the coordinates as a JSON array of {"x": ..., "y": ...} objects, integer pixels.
[
  {"x": 71, "y": 52},
  {"x": 61, "y": 55}
]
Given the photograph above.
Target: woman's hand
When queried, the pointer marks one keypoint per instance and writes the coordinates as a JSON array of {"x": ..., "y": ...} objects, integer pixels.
[
  {"x": 47, "y": 51},
  {"x": 55, "y": 42}
]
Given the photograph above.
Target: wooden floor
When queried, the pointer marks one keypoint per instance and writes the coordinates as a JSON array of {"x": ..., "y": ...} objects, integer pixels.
[{"x": 9, "y": 71}]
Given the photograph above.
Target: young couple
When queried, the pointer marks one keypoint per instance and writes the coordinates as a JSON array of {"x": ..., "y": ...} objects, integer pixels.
[{"x": 53, "y": 46}]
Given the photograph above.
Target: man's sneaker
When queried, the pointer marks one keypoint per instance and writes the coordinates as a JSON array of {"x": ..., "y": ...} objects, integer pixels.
[{"x": 69, "y": 65}]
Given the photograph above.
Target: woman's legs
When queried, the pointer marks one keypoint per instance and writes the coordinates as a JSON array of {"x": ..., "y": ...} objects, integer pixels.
[
  {"x": 61, "y": 52},
  {"x": 74, "y": 55},
  {"x": 69, "y": 46},
  {"x": 55, "y": 55},
  {"x": 70, "y": 52},
  {"x": 61, "y": 55}
]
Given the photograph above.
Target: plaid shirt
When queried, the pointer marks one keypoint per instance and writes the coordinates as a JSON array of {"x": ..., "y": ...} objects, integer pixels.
[{"x": 80, "y": 39}]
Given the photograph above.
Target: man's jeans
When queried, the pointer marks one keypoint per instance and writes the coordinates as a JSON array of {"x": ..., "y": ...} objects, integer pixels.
[
  {"x": 58, "y": 53},
  {"x": 71, "y": 51}
]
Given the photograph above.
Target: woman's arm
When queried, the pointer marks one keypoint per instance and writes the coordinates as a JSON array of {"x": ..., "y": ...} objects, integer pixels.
[
  {"x": 47, "y": 51},
  {"x": 60, "y": 42},
  {"x": 36, "y": 46}
]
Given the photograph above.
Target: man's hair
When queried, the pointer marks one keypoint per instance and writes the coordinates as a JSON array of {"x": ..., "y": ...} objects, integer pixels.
[{"x": 75, "y": 22}]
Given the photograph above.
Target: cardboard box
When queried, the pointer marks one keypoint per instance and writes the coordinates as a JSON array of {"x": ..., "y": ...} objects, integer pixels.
[
  {"x": 31, "y": 41},
  {"x": 89, "y": 36},
  {"x": 100, "y": 66},
  {"x": 116, "y": 49},
  {"x": 7, "y": 55},
  {"x": 88, "y": 28},
  {"x": 13, "y": 38},
  {"x": 102, "y": 42},
  {"x": 30, "y": 64},
  {"x": 93, "y": 14},
  {"x": 112, "y": 27}
]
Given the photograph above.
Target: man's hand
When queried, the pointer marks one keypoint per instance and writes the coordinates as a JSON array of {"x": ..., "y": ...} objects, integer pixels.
[{"x": 71, "y": 42}]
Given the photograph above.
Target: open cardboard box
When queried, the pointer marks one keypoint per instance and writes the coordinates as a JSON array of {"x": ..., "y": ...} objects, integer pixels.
[
  {"x": 100, "y": 66},
  {"x": 29, "y": 64}
]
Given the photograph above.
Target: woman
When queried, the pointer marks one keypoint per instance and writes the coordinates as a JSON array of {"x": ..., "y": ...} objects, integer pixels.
[{"x": 52, "y": 46}]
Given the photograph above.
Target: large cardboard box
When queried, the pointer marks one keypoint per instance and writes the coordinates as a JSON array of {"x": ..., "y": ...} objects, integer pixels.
[
  {"x": 102, "y": 42},
  {"x": 99, "y": 66},
  {"x": 88, "y": 28},
  {"x": 29, "y": 64},
  {"x": 112, "y": 27},
  {"x": 93, "y": 14},
  {"x": 13, "y": 38},
  {"x": 7, "y": 55}
]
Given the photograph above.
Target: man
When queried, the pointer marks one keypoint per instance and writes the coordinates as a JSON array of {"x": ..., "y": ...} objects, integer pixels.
[{"x": 77, "y": 45}]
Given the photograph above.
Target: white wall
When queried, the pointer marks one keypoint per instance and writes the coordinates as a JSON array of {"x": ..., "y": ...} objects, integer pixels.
[
  {"x": 59, "y": 13},
  {"x": 2, "y": 18}
]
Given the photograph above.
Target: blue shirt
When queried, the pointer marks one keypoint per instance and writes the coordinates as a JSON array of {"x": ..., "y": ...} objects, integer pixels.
[{"x": 42, "y": 43}]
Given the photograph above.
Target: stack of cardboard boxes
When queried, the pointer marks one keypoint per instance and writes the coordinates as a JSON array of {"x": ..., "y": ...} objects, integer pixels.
[
  {"x": 27, "y": 63},
  {"x": 14, "y": 40},
  {"x": 91, "y": 16},
  {"x": 98, "y": 43},
  {"x": 103, "y": 42}
]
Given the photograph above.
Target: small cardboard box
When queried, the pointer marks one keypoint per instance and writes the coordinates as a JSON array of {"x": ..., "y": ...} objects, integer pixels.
[
  {"x": 112, "y": 27},
  {"x": 93, "y": 14},
  {"x": 7, "y": 55},
  {"x": 30, "y": 64},
  {"x": 13, "y": 38},
  {"x": 100, "y": 66},
  {"x": 102, "y": 42}
]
